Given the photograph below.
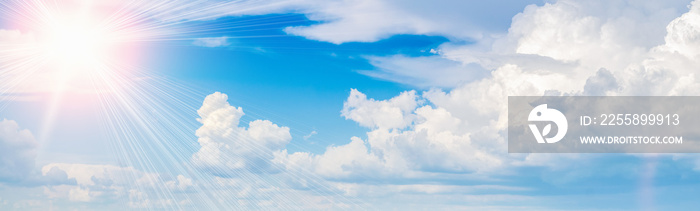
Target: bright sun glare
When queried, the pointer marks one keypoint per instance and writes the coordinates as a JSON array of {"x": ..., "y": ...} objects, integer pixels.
[
  {"x": 82, "y": 43},
  {"x": 77, "y": 43}
]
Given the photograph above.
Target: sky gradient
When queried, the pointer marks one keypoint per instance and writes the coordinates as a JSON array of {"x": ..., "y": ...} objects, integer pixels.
[{"x": 317, "y": 105}]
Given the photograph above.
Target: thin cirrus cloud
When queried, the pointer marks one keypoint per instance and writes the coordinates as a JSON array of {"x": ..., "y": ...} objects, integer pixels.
[
  {"x": 212, "y": 42},
  {"x": 369, "y": 21}
]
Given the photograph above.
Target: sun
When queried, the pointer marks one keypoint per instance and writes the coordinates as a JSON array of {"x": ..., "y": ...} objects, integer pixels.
[{"x": 76, "y": 43}]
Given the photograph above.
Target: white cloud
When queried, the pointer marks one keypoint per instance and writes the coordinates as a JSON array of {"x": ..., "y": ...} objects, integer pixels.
[
  {"x": 106, "y": 183},
  {"x": 599, "y": 84},
  {"x": 424, "y": 72},
  {"x": 353, "y": 20},
  {"x": 591, "y": 48},
  {"x": 138, "y": 199},
  {"x": 256, "y": 192},
  {"x": 88, "y": 175},
  {"x": 364, "y": 21},
  {"x": 181, "y": 183},
  {"x": 410, "y": 141},
  {"x": 79, "y": 194},
  {"x": 682, "y": 33},
  {"x": 356, "y": 20},
  {"x": 372, "y": 20},
  {"x": 28, "y": 204},
  {"x": 458, "y": 131},
  {"x": 484, "y": 102},
  {"x": 18, "y": 150},
  {"x": 353, "y": 189},
  {"x": 585, "y": 50},
  {"x": 388, "y": 114},
  {"x": 345, "y": 161},
  {"x": 226, "y": 147},
  {"x": 582, "y": 32},
  {"x": 212, "y": 42},
  {"x": 564, "y": 37},
  {"x": 312, "y": 133}
]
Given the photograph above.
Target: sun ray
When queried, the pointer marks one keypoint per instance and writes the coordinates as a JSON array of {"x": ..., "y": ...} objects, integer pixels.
[{"x": 85, "y": 47}]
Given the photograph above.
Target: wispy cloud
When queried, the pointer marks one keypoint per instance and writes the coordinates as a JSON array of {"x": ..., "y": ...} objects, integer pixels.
[
  {"x": 212, "y": 42},
  {"x": 306, "y": 137}
]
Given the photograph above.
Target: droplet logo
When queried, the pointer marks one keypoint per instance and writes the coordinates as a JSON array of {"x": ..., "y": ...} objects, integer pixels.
[{"x": 543, "y": 114}]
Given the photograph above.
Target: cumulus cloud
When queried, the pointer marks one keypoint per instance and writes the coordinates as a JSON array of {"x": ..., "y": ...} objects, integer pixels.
[
  {"x": 104, "y": 183},
  {"x": 458, "y": 131},
  {"x": 564, "y": 37},
  {"x": 79, "y": 194},
  {"x": 586, "y": 51},
  {"x": 181, "y": 183},
  {"x": 407, "y": 140},
  {"x": 93, "y": 182},
  {"x": 226, "y": 147},
  {"x": 563, "y": 47},
  {"x": 570, "y": 30},
  {"x": 393, "y": 113},
  {"x": 682, "y": 33},
  {"x": 89, "y": 175},
  {"x": 599, "y": 84},
  {"x": 18, "y": 150}
]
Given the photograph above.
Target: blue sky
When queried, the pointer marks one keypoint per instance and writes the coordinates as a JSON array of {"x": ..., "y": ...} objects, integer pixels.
[
  {"x": 302, "y": 80},
  {"x": 346, "y": 104}
]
